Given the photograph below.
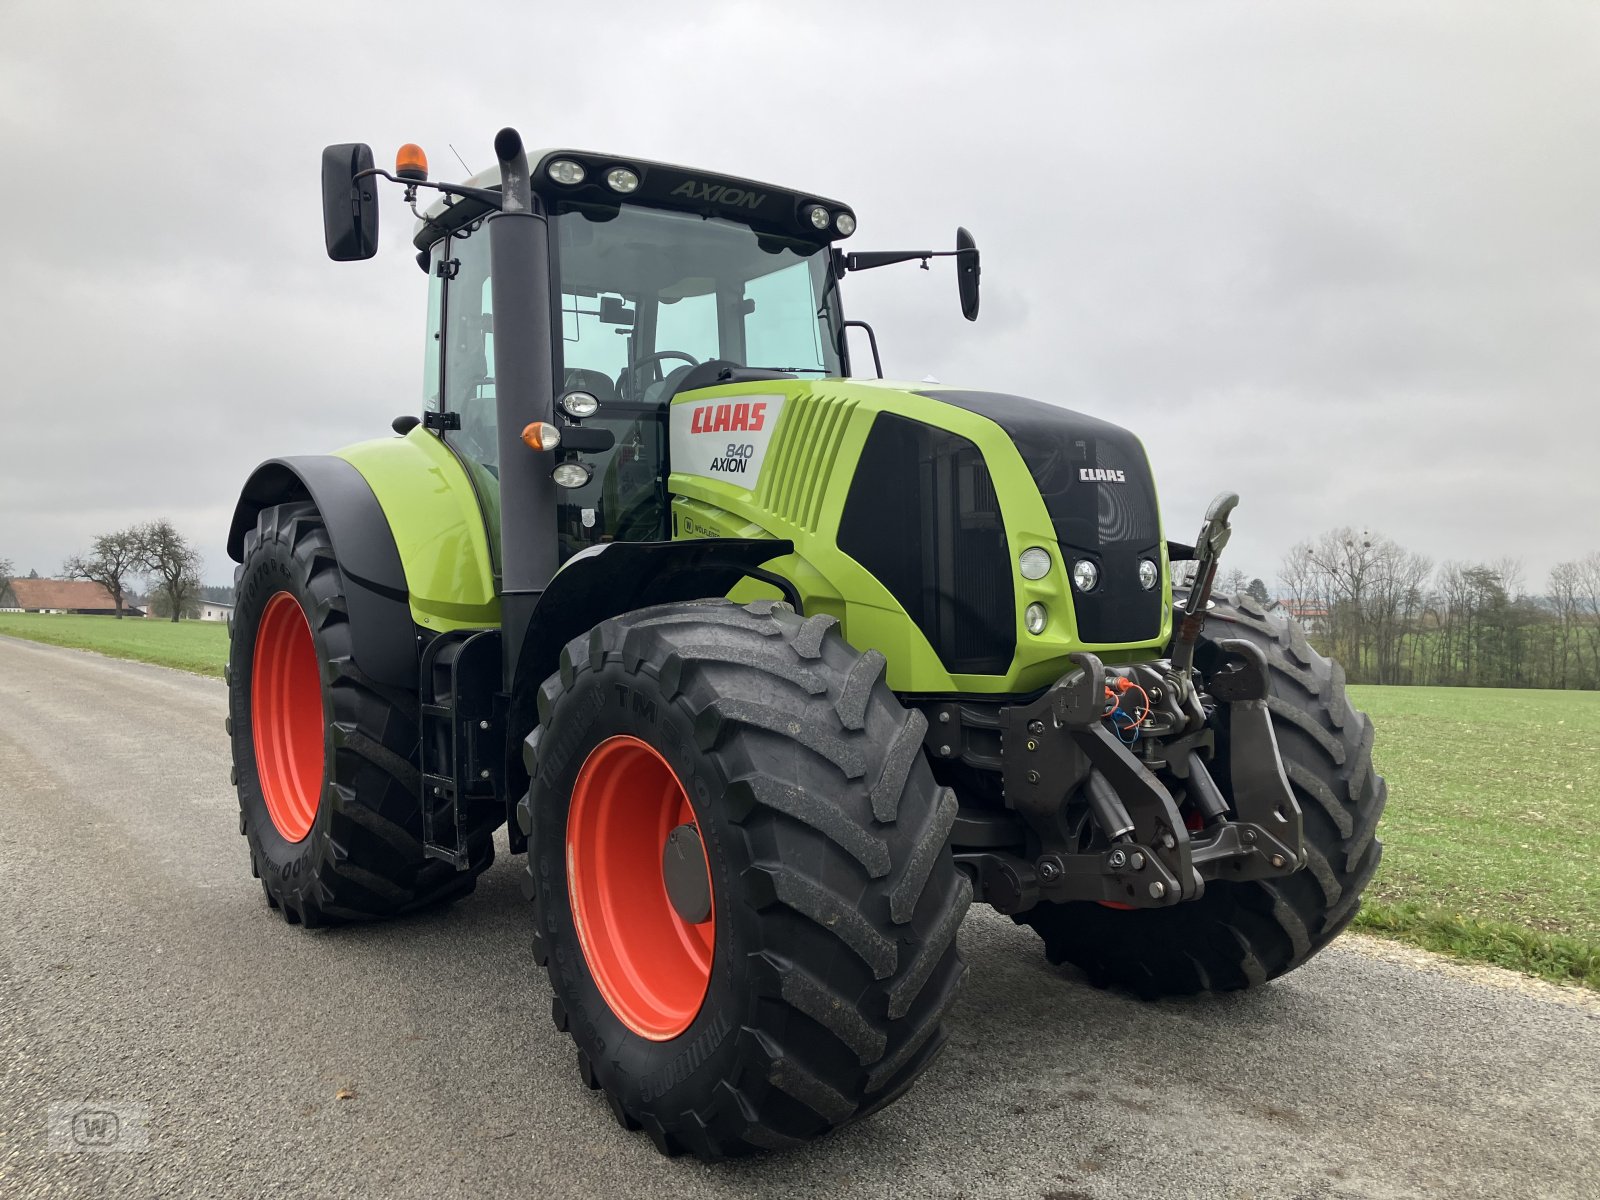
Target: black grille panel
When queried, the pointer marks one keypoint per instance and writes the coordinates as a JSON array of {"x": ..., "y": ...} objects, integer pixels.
[
  {"x": 1112, "y": 521},
  {"x": 923, "y": 517}
]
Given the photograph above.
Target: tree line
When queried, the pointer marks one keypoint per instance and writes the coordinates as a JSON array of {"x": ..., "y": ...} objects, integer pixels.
[
  {"x": 154, "y": 551},
  {"x": 1390, "y": 615}
]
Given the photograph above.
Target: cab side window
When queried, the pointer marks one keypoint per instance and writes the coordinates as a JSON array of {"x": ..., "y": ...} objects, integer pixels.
[
  {"x": 469, "y": 349},
  {"x": 432, "y": 356}
]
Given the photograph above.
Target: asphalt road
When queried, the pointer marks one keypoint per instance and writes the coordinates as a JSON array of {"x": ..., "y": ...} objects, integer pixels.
[{"x": 140, "y": 966}]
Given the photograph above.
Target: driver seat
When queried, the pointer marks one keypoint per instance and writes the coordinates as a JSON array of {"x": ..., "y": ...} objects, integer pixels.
[
  {"x": 685, "y": 379},
  {"x": 713, "y": 371},
  {"x": 596, "y": 383}
]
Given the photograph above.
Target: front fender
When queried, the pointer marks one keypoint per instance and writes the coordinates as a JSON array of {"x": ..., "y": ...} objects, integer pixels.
[
  {"x": 441, "y": 523},
  {"x": 606, "y": 581},
  {"x": 383, "y": 636}
]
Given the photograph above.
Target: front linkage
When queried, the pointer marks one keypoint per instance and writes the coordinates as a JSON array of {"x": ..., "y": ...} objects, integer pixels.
[{"x": 1081, "y": 772}]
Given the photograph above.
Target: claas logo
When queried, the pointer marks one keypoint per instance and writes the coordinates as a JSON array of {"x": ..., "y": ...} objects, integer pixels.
[{"x": 727, "y": 418}]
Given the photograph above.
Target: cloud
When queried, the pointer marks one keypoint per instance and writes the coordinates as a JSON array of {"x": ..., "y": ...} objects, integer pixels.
[{"x": 1341, "y": 258}]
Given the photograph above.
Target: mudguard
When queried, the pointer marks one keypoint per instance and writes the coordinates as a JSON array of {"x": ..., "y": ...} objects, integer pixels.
[
  {"x": 606, "y": 581},
  {"x": 383, "y": 635}
]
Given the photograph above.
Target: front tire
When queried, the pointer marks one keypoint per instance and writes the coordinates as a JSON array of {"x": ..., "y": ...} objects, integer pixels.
[
  {"x": 1241, "y": 934},
  {"x": 833, "y": 901},
  {"x": 324, "y": 758}
]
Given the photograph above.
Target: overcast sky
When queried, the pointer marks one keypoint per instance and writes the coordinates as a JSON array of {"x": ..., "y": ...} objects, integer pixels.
[{"x": 1341, "y": 258}]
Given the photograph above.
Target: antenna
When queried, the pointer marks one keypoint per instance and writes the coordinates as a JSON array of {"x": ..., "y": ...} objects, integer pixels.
[{"x": 460, "y": 160}]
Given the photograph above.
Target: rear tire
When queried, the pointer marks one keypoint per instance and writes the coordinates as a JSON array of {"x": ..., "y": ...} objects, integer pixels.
[
  {"x": 834, "y": 899},
  {"x": 346, "y": 843},
  {"x": 1240, "y": 934}
]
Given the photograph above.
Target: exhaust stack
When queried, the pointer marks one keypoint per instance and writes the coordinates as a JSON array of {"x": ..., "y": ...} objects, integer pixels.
[{"x": 519, "y": 264}]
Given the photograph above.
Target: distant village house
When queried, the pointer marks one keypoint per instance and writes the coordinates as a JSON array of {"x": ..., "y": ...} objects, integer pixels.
[
  {"x": 198, "y": 610},
  {"x": 215, "y": 610}
]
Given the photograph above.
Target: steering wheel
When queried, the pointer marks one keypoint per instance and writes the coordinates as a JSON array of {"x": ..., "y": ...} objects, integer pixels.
[{"x": 637, "y": 385}]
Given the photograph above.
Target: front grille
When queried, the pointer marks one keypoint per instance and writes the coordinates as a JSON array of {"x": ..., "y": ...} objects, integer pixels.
[
  {"x": 1115, "y": 523},
  {"x": 1090, "y": 513},
  {"x": 923, "y": 517},
  {"x": 1110, "y": 517}
]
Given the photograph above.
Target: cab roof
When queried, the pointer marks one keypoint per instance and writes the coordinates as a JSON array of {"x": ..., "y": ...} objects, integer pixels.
[{"x": 763, "y": 206}]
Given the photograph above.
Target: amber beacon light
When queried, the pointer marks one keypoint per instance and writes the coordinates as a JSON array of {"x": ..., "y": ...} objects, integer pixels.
[{"x": 411, "y": 163}]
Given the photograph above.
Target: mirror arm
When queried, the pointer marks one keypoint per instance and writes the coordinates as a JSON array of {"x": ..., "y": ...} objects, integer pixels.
[
  {"x": 870, "y": 259},
  {"x": 449, "y": 189}
]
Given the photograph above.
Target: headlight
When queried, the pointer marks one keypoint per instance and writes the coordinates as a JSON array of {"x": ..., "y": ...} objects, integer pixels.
[
  {"x": 564, "y": 170},
  {"x": 1034, "y": 562},
  {"x": 845, "y": 224},
  {"x": 571, "y": 474},
  {"x": 1035, "y": 617},
  {"x": 1085, "y": 575},
  {"x": 1149, "y": 573},
  {"x": 819, "y": 216},
  {"x": 620, "y": 179},
  {"x": 579, "y": 404}
]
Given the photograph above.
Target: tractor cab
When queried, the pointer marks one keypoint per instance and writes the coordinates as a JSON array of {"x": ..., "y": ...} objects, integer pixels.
[{"x": 661, "y": 280}]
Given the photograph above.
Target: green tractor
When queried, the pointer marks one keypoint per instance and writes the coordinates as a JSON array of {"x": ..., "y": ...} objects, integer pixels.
[{"x": 769, "y": 670}]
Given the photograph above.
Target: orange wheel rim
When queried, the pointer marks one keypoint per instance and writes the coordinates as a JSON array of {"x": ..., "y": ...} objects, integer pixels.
[
  {"x": 286, "y": 717},
  {"x": 651, "y": 965}
]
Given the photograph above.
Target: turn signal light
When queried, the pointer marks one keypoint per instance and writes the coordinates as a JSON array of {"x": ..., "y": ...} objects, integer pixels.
[
  {"x": 540, "y": 436},
  {"x": 411, "y": 163}
]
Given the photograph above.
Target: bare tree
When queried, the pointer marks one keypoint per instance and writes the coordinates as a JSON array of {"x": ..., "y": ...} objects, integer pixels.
[
  {"x": 1341, "y": 563},
  {"x": 1299, "y": 577},
  {"x": 112, "y": 560},
  {"x": 173, "y": 563},
  {"x": 1588, "y": 597},
  {"x": 1566, "y": 583},
  {"x": 1231, "y": 582},
  {"x": 6, "y": 570}
]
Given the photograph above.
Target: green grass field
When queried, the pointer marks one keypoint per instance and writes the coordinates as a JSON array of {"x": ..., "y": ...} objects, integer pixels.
[
  {"x": 198, "y": 646},
  {"x": 1492, "y": 835}
]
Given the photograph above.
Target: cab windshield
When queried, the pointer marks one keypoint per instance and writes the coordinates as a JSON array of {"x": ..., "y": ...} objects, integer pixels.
[
  {"x": 653, "y": 301},
  {"x": 645, "y": 297},
  {"x": 646, "y": 294}
]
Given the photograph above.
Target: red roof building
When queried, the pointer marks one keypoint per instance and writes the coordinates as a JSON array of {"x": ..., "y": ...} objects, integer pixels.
[{"x": 64, "y": 596}]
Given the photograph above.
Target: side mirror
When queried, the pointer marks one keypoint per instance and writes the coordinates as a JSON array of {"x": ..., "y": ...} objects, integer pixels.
[
  {"x": 349, "y": 205},
  {"x": 967, "y": 273}
]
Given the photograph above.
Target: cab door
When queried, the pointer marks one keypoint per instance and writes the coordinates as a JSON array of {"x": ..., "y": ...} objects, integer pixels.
[{"x": 459, "y": 390}]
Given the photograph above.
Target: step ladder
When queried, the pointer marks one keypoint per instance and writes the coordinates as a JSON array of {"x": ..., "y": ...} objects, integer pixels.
[{"x": 463, "y": 738}]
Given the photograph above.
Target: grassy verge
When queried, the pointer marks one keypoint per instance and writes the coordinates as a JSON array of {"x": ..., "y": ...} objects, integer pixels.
[
  {"x": 1552, "y": 956},
  {"x": 198, "y": 646},
  {"x": 1492, "y": 834}
]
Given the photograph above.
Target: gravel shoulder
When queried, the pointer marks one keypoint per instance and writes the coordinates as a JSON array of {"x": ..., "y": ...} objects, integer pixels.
[{"x": 139, "y": 965}]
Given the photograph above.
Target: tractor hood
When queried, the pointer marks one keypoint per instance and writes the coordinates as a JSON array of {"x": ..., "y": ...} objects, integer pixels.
[{"x": 912, "y": 506}]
